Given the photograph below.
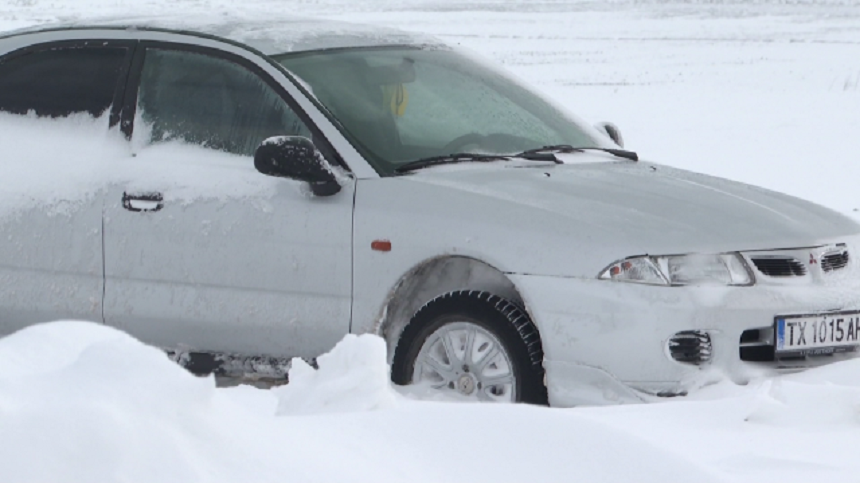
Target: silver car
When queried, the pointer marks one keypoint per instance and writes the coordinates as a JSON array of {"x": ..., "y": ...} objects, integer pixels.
[{"x": 240, "y": 193}]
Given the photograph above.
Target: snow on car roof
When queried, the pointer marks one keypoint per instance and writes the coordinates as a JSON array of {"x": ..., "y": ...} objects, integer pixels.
[{"x": 272, "y": 34}]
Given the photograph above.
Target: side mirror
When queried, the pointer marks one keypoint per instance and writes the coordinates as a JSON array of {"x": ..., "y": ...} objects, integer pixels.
[
  {"x": 296, "y": 157},
  {"x": 612, "y": 131}
]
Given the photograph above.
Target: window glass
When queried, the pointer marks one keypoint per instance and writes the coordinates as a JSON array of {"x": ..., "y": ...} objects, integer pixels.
[
  {"x": 62, "y": 81},
  {"x": 212, "y": 102},
  {"x": 401, "y": 104}
]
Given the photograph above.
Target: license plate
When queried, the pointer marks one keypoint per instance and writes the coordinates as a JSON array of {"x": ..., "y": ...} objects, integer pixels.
[{"x": 818, "y": 334}]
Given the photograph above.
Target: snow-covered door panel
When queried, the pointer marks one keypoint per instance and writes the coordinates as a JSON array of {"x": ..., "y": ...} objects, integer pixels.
[
  {"x": 202, "y": 251},
  {"x": 55, "y": 106}
]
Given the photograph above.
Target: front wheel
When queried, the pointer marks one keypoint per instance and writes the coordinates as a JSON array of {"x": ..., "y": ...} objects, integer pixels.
[{"x": 473, "y": 344}]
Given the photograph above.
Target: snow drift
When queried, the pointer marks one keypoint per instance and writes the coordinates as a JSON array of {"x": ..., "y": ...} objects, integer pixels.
[
  {"x": 353, "y": 376},
  {"x": 84, "y": 402}
]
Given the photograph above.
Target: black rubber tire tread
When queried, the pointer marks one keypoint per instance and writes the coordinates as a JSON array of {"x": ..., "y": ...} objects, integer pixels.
[{"x": 502, "y": 317}]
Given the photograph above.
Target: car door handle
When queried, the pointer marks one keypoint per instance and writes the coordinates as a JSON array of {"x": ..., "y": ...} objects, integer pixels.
[{"x": 142, "y": 201}]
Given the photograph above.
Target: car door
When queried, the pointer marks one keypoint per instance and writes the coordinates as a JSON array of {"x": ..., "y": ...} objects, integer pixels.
[
  {"x": 55, "y": 111},
  {"x": 203, "y": 252}
]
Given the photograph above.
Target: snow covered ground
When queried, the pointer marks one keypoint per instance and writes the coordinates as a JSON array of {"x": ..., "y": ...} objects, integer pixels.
[
  {"x": 766, "y": 92},
  {"x": 83, "y": 402}
]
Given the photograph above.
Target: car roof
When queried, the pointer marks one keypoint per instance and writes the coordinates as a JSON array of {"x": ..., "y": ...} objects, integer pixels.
[{"x": 270, "y": 35}]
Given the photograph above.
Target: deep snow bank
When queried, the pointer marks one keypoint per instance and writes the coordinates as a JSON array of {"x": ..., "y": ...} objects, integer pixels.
[
  {"x": 83, "y": 402},
  {"x": 353, "y": 376}
]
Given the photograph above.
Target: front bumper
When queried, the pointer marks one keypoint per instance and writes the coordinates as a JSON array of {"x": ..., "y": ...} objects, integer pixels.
[{"x": 607, "y": 342}]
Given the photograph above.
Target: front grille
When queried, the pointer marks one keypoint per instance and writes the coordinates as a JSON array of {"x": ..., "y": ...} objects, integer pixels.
[
  {"x": 691, "y": 347},
  {"x": 779, "y": 266},
  {"x": 834, "y": 261}
]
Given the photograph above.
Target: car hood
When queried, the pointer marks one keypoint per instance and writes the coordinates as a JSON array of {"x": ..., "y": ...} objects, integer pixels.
[{"x": 641, "y": 208}]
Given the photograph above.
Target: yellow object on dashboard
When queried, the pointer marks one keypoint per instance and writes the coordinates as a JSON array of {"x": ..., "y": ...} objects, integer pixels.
[{"x": 395, "y": 97}]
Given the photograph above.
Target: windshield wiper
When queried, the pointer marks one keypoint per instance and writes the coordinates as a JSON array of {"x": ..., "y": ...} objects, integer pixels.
[
  {"x": 449, "y": 159},
  {"x": 567, "y": 148},
  {"x": 464, "y": 157}
]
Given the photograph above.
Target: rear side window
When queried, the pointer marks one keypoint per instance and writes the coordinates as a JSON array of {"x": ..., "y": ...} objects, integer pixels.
[
  {"x": 209, "y": 101},
  {"x": 58, "y": 82}
]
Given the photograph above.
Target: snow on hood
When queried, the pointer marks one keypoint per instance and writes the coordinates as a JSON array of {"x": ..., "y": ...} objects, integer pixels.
[{"x": 645, "y": 208}]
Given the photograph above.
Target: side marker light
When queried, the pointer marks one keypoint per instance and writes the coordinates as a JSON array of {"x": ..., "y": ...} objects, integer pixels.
[{"x": 380, "y": 245}]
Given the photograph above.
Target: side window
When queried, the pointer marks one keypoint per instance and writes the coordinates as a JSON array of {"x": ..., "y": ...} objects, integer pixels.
[
  {"x": 61, "y": 81},
  {"x": 209, "y": 101}
]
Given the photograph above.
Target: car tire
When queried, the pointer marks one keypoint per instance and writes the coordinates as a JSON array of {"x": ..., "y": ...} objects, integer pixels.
[{"x": 492, "y": 319}]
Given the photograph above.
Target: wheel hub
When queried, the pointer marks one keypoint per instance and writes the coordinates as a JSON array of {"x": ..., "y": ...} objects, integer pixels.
[{"x": 466, "y": 384}]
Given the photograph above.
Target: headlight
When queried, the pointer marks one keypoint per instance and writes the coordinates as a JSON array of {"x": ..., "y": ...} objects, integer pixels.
[{"x": 718, "y": 269}]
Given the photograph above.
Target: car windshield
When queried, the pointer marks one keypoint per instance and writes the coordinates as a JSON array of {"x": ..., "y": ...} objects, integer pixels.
[{"x": 399, "y": 105}]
